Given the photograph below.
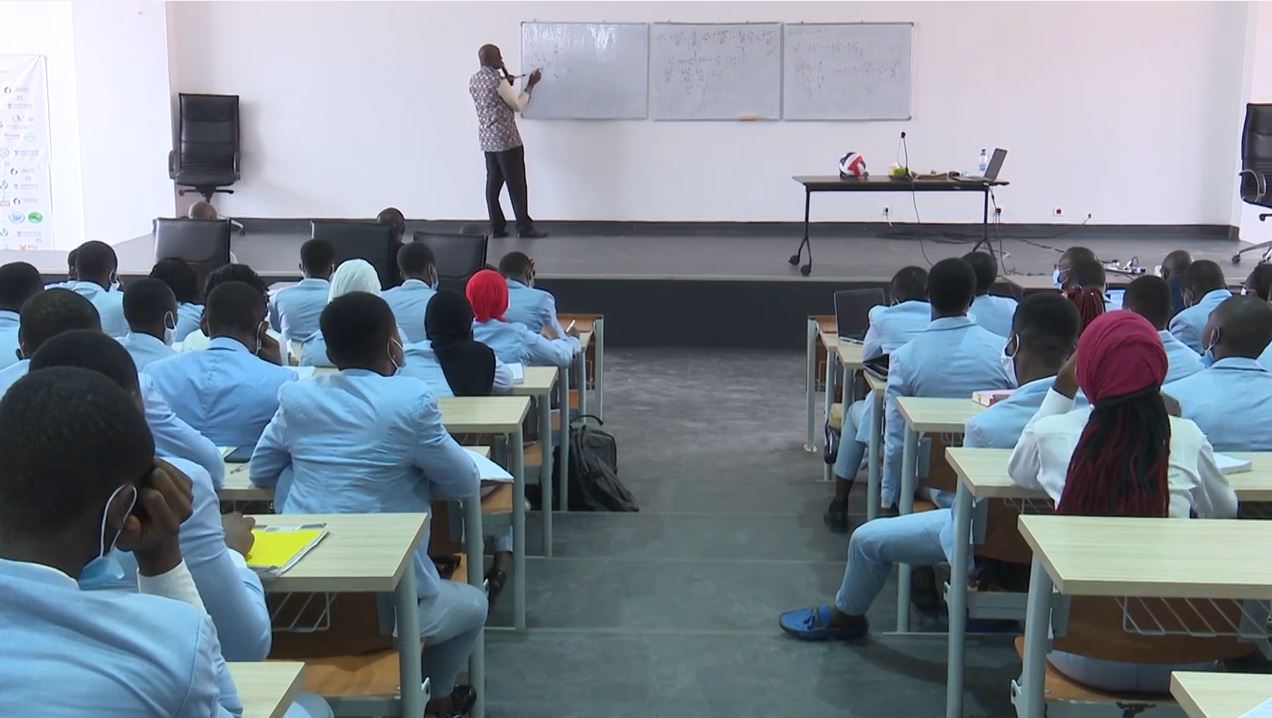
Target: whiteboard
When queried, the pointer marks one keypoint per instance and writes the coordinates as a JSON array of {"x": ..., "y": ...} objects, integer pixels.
[
  {"x": 591, "y": 70},
  {"x": 847, "y": 72},
  {"x": 715, "y": 72}
]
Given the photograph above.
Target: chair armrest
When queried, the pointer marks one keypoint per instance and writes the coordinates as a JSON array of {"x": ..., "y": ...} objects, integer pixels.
[{"x": 1260, "y": 183}]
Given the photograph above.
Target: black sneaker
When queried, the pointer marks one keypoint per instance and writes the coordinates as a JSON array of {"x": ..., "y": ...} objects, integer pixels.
[
  {"x": 836, "y": 516},
  {"x": 888, "y": 512},
  {"x": 498, "y": 235},
  {"x": 532, "y": 234},
  {"x": 924, "y": 593}
]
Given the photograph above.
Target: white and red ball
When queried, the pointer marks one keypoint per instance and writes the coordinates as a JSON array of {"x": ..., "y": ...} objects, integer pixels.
[{"x": 852, "y": 165}]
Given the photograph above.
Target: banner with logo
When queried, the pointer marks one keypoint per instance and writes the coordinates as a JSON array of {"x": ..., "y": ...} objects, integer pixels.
[{"x": 25, "y": 189}]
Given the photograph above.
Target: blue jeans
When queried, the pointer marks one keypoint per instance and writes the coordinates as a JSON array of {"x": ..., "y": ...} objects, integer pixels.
[
  {"x": 851, "y": 451},
  {"x": 915, "y": 539}
]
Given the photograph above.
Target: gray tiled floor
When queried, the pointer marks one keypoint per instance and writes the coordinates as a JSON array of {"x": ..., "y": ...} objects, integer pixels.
[{"x": 672, "y": 611}]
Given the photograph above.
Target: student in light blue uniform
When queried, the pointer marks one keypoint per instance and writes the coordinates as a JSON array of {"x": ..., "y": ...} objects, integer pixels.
[
  {"x": 528, "y": 304},
  {"x": 1232, "y": 400},
  {"x": 184, "y": 284},
  {"x": 990, "y": 311},
  {"x": 891, "y": 327},
  {"x": 1173, "y": 267},
  {"x": 353, "y": 275},
  {"x": 1045, "y": 331},
  {"x": 71, "y": 652},
  {"x": 1149, "y": 297},
  {"x": 1204, "y": 289},
  {"x": 227, "y": 393},
  {"x": 367, "y": 441},
  {"x": 449, "y": 360},
  {"x": 487, "y": 292},
  {"x": 409, "y": 300},
  {"x": 19, "y": 282},
  {"x": 43, "y": 317},
  {"x": 294, "y": 310},
  {"x": 151, "y": 311},
  {"x": 96, "y": 266},
  {"x": 198, "y": 340},
  {"x": 953, "y": 358}
]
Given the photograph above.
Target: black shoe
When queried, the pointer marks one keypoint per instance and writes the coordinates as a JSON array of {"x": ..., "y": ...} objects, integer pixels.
[
  {"x": 836, "y": 516},
  {"x": 532, "y": 234},
  {"x": 463, "y": 698},
  {"x": 888, "y": 512},
  {"x": 498, "y": 235},
  {"x": 923, "y": 589}
]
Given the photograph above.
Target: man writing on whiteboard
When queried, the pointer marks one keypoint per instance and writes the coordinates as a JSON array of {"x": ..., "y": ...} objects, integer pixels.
[{"x": 498, "y": 103}]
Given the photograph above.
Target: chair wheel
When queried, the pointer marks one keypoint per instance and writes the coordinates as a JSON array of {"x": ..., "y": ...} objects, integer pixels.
[
  {"x": 1236, "y": 258},
  {"x": 806, "y": 270},
  {"x": 794, "y": 260}
]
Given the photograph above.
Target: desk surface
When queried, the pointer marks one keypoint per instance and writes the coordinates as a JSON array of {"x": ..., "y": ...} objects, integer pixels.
[
  {"x": 539, "y": 381},
  {"x": 1219, "y": 695},
  {"x": 827, "y": 330},
  {"x": 483, "y": 414},
  {"x": 876, "y": 383},
  {"x": 884, "y": 183},
  {"x": 985, "y": 473},
  {"x": 850, "y": 354},
  {"x": 266, "y": 688},
  {"x": 238, "y": 486},
  {"x": 1161, "y": 558},
  {"x": 361, "y": 553},
  {"x": 946, "y": 416}
]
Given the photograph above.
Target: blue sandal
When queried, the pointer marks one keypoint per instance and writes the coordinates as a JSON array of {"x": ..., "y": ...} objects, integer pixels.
[{"x": 813, "y": 624}]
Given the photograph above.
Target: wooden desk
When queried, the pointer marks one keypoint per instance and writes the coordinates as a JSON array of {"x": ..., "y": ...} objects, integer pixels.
[
  {"x": 539, "y": 383},
  {"x": 874, "y": 448},
  {"x": 1219, "y": 695},
  {"x": 1156, "y": 558},
  {"x": 591, "y": 329},
  {"x": 923, "y": 415},
  {"x": 500, "y": 415},
  {"x": 822, "y": 331},
  {"x": 266, "y": 688},
  {"x": 365, "y": 553}
]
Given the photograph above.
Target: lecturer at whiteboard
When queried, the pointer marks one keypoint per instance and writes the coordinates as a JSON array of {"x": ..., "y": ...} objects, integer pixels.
[{"x": 498, "y": 103}]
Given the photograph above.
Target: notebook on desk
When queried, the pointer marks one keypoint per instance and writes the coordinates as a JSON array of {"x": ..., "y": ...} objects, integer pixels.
[
  {"x": 1232, "y": 465},
  {"x": 277, "y": 548}
]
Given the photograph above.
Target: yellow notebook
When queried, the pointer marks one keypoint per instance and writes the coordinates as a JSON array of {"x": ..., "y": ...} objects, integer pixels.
[{"x": 277, "y": 548}]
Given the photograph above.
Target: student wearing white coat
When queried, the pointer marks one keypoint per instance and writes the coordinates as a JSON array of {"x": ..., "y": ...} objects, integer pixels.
[
  {"x": 367, "y": 441},
  {"x": 1232, "y": 399},
  {"x": 1149, "y": 297},
  {"x": 1045, "y": 329},
  {"x": 19, "y": 282},
  {"x": 487, "y": 292},
  {"x": 74, "y": 652},
  {"x": 1204, "y": 289},
  {"x": 990, "y": 311}
]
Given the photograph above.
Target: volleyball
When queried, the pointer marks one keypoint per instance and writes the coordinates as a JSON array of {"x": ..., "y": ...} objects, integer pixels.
[{"x": 852, "y": 165}]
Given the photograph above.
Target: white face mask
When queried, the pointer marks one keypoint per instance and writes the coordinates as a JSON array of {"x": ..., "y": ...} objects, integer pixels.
[
  {"x": 1009, "y": 360},
  {"x": 397, "y": 368},
  {"x": 169, "y": 329},
  {"x": 260, "y": 329}
]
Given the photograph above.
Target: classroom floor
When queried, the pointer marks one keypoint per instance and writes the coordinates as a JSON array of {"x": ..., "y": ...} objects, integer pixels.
[{"x": 672, "y": 611}]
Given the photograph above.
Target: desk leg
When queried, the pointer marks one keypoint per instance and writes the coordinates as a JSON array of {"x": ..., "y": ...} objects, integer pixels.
[
  {"x": 874, "y": 468},
  {"x": 545, "y": 469},
  {"x": 957, "y": 601},
  {"x": 1027, "y": 693},
  {"x": 563, "y": 438},
  {"x": 906, "y": 505},
  {"x": 473, "y": 545},
  {"x": 810, "y": 388},
  {"x": 583, "y": 382},
  {"x": 831, "y": 360},
  {"x": 519, "y": 528},
  {"x": 410, "y": 664},
  {"x": 985, "y": 216},
  {"x": 598, "y": 336}
]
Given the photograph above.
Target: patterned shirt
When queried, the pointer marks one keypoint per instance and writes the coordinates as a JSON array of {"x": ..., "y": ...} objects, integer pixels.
[{"x": 496, "y": 116}]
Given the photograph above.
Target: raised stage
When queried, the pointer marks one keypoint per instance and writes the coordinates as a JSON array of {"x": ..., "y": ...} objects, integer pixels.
[{"x": 726, "y": 285}]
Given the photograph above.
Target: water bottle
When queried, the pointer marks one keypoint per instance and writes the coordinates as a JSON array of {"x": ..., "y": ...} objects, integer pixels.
[{"x": 982, "y": 163}]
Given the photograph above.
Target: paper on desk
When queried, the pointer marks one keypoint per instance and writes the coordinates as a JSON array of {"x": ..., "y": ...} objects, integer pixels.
[
  {"x": 1263, "y": 710},
  {"x": 489, "y": 470},
  {"x": 1232, "y": 465},
  {"x": 518, "y": 371}
]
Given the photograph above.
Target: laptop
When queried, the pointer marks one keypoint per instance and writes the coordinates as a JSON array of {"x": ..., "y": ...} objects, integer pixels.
[
  {"x": 852, "y": 312},
  {"x": 991, "y": 172}
]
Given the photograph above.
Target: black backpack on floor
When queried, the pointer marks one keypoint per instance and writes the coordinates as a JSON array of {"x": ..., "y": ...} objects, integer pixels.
[{"x": 593, "y": 471}]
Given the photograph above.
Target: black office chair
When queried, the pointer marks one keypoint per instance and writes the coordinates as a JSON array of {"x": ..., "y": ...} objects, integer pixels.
[
  {"x": 203, "y": 243},
  {"x": 457, "y": 256},
  {"x": 1256, "y": 167},
  {"x": 206, "y": 158},
  {"x": 360, "y": 239}
]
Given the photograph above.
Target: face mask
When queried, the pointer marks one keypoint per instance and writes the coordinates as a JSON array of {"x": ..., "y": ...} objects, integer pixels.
[
  {"x": 1245, "y": 290},
  {"x": 169, "y": 329},
  {"x": 433, "y": 282},
  {"x": 397, "y": 368},
  {"x": 114, "y": 283},
  {"x": 105, "y": 570},
  {"x": 1208, "y": 356},
  {"x": 259, "y": 330},
  {"x": 1055, "y": 278},
  {"x": 1009, "y": 360}
]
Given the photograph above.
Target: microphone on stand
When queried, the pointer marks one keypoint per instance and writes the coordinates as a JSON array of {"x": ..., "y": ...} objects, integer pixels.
[{"x": 905, "y": 148}]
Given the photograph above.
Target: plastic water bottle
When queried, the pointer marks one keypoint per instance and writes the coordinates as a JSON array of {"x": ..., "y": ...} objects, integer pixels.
[{"x": 982, "y": 163}]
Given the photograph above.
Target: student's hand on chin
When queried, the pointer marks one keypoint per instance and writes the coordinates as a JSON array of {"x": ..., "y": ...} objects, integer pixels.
[
  {"x": 165, "y": 498},
  {"x": 238, "y": 532},
  {"x": 1067, "y": 378}
]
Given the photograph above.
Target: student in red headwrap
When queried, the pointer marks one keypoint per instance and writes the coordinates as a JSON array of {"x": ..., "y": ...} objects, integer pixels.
[
  {"x": 1123, "y": 455},
  {"x": 513, "y": 343}
]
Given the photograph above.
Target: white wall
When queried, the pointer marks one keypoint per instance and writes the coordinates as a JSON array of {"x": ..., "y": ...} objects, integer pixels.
[
  {"x": 1124, "y": 110},
  {"x": 44, "y": 28}
]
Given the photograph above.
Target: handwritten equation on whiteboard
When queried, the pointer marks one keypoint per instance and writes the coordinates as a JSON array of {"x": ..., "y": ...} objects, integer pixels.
[
  {"x": 847, "y": 72},
  {"x": 715, "y": 72}
]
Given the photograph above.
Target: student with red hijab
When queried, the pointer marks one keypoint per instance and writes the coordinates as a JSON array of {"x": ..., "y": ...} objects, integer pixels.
[
  {"x": 1123, "y": 455},
  {"x": 487, "y": 291}
]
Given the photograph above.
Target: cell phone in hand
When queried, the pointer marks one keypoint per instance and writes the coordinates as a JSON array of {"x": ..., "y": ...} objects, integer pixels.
[{"x": 241, "y": 455}]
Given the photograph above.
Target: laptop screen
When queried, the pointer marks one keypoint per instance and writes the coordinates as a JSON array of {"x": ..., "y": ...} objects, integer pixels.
[
  {"x": 995, "y": 164},
  {"x": 852, "y": 311}
]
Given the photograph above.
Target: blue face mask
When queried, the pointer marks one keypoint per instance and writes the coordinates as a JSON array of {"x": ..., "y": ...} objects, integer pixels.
[
  {"x": 105, "y": 570},
  {"x": 1055, "y": 278}
]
